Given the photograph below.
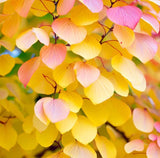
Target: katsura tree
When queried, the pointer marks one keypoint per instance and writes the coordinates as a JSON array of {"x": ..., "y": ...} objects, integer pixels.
[{"x": 80, "y": 78}]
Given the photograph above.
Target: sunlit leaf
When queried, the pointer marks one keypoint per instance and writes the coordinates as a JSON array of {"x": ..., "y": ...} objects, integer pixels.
[
  {"x": 68, "y": 31},
  {"x": 99, "y": 91},
  {"x": 78, "y": 150},
  {"x": 53, "y": 55},
  {"x": 48, "y": 136},
  {"x": 84, "y": 130},
  {"x": 78, "y": 15},
  {"x": 143, "y": 120},
  {"x": 89, "y": 48},
  {"x": 105, "y": 147},
  {"x": 64, "y": 6},
  {"x": 66, "y": 124},
  {"x": 6, "y": 64},
  {"x": 86, "y": 74}
]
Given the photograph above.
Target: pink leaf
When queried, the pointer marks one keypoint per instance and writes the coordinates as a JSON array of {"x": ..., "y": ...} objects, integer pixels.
[
  {"x": 157, "y": 126},
  {"x": 134, "y": 145},
  {"x": 152, "y": 137},
  {"x": 41, "y": 35},
  {"x": 126, "y": 15},
  {"x": 144, "y": 47},
  {"x": 142, "y": 120},
  {"x": 39, "y": 111},
  {"x": 27, "y": 69},
  {"x": 64, "y": 6},
  {"x": 68, "y": 31},
  {"x": 86, "y": 74},
  {"x": 153, "y": 151},
  {"x": 56, "y": 109},
  {"x": 94, "y": 6},
  {"x": 53, "y": 55}
]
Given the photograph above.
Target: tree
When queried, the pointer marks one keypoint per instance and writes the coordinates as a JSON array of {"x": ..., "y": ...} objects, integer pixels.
[{"x": 79, "y": 78}]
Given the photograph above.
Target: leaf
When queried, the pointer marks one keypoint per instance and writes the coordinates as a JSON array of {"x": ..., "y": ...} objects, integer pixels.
[
  {"x": 66, "y": 124},
  {"x": 142, "y": 120},
  {"x": 11, "y": 25},
  {"x": 42, "y": 7},
  {"x": 7, "y": 62},
  {"x": 3, "y": 93},
  {"x": 88, "y": 49},
  {"x": 78, "y": 150},
  {"x": 41, "y": 35},
  {"x": 97, "y": 114},
  {"x": 134, "y": 145},
  {"x": 74, "y": 100},
  {"x": 8, "y": 136},
  {"x": 125, "y": 15},
  {"x": 129, "y": 70},
  {"x": 53, "y": 55},
  {"x": 26, "y": 39},
  {"x": 39, "y": 110},
  {"x": 59, "y": 154},
  {"x": 144, "y": 47},
  {"x": 94, "y": 6},
  {"x": 124, "y": 35},
  {"x": 84, "y": 130},
  {"x": 27, "y": 124},
  {"x": 64, "y": 6},
  {"x": 64, "y": 75},
  {"x": 153, "y": 151},
  {"x": 23, "y": 7},
  {"x": 99, "y": 91},
  {"x": 78, "y": 15},
  {"x": 68, "y": 31},
  {"x": 27, "y": 141},
  {"x": 45, "y": 80},
  {"x": 119, "y": 82},
  {"x": 27, "y": 69},
  {"x": 55, "y": 109},
  {"x": 48, "y": 136},
  {"x": 115, "y": 109},
  {"x": 86, "y": 74},
  {"x": 105, "y": 147},
  {"x": 152, "y": 21}
]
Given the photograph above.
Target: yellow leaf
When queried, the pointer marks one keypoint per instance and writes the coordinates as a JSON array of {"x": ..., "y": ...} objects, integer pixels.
[
  {"x": 78, "y": 15},
  {"x": 99, "y": 91},
  {"x": 39, "y": 83},
  {"x": 7, "y": 62},
  {"x": 8, "y": 136},
  {"x": 67, "y": 138},
  {"x": 119, "y": 82},
  {"x": 77, "y": 150},
  {"x": 27, "y": 141},
  {"x": 96, "y": 113},
  {"x": 84, "y": 130},
  {"x": 43, "y": 7},
  {"x": 64, "y": 75},
  {"x": 48, "y": 136},
  {"x": 27, "y": 124},
  {"x": 105, "y": 147},
  {"x": 38, "y": 125},
  {"x": 59, "y": 154},
  {"x": 66, "y": 124},
  {"x": 88, "y": 48},
  {"x": 74, "y": 100},
  {"x": 124, "y": 35},
  {"x": 116, "y": 108},
  {"x": 11, "y": 25},
  {"x": 129, "y": 70}
]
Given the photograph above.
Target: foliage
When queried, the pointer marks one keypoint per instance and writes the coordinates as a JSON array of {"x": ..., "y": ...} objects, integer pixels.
[{"x": 80, "y": 78}]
